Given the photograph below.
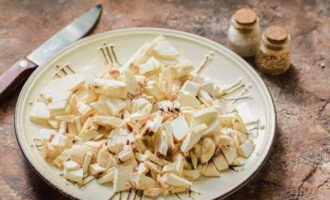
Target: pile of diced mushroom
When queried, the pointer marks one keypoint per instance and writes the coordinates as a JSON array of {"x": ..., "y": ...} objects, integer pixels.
[{"x": 153, "y": 124}]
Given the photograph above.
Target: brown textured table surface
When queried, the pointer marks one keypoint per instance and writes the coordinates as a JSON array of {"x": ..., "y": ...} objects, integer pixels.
[{"x": 298, "y": 167}]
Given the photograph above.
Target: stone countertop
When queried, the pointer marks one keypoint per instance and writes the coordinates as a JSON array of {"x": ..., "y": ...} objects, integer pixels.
[{"x": 298, "y": 167}]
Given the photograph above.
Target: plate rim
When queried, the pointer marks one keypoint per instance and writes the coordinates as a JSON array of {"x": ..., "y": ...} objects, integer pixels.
[{"x": 272, "y": 113}]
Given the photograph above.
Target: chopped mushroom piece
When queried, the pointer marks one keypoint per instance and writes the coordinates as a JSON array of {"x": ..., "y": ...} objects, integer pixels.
[
  {"x": 109, "y": 88},
  {"x": 193, "y": 137},
  {"x": 220, "y": 162},
  {"x": 208, "y": 149},
  {"x": 246, "y": 148},
  {"x": 70, "y": 165},
  {"x": 122, "y": 176},
  {"x": 96, "y": 168},
  {"x": 142, "y": 182},
  {"x": 210, "y": 170},
  {"x": 74, "y": 175},
  {"x": 108, "y": 177},
  {"x": 191, "y": 174},
  {"x": 179, "y": 128},
  {"x": 104, "y": 158},
  {"x": 174, "y": 180}
]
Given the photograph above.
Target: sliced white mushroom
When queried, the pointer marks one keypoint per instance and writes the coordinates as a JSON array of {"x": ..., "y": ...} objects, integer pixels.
[
  {"x": 208, "y": 149},
  {"x": 140, "y": 107},
  {"x": 96, "y": 144},
  {"x": 204, "y": 116},
  {"x": 104, "y": 158},
  {"x": 191, "y": 87},
  {"x": 48, "y": 151},
  {"x": 139, "y": 144},
  {"x": 153, "y": 167},
  {"x": 141, "y": 55},
  {"x": 179, "y": 128},
  {"x": 186, "y": 99},
  {"x": 153, "y": 90},
  {"x": 85, "y": 95},
  {"x": 122, "y": 176},
  {"x": 100, "y": 107},
  {"x": 194, "y": 159},
  {"x": 161, "y": 142},
  {"x": 166, "y": 77},
  {"x": 152, "y": 192},
  {"x": 193, "y": 137},
  {"x": 111, "y": 88},
  {"x": 39, "y": 113},
  {"x": 142, "y": 182},
  {"x": 74, "y": 175},
  {"x": 131, "y": 82},
  {"x": 60, "y": 104},
  {"x": 242, "y": 137},
  {"x": 183, "y": 70},
  {"x": 116, "y": 140},
  {"x": 205, "y": 97},
  {"x": 163, "y": 49},
  {"x": 142, "y": 169},
  {"x": 191, "y": 174},
  {"x": 175, "y": 180},
  {"x": 154, "y": 125},
  {"x": 152, "y": 65},
  {"x": 84, "y": 109},
  {"x": 210, "y": 170},
  {"x": 77, "y": 154},
  {"x": 239, "y": 125},
  {"x": 89, "y": 135},
  {"x": 70, "y": 165},
  {"x": 108, "y": 177},
  {"x": 96, "y": 169},
  {"x": 229, "y": 153},
  {"x": 176, "y": 166},
  {"x": 246, "y": 148},
  {"x": 220, "y": 162},
  {"x": 221, "y": 106},
  {"x": 108, "y": 121},
  {"x": 60, "y": 141},
  {"x": 53, "y": 123},
  {"x": 114, "y": 105},
  {"x": 227, "y": 119},
  {"x": 209, "y": 87},
  {"x": 174, "y": 190},
  {"x": 126, "y": 154},
  {"x": 236, "y": 162},
  {"x": 87, "y": 161}
]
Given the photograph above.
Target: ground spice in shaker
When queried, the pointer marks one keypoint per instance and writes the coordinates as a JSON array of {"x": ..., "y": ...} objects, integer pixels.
[
  {"x": 244, "y": 32},
  {"x": 273, "y": 53}
]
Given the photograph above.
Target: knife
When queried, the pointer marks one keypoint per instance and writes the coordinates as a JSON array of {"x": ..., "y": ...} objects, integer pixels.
[{"x": 20, "y": 71}]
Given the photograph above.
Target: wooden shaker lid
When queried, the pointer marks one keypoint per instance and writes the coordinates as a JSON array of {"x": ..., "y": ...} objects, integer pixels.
[
  {"x": 276, "y": 34},
  {"x": 245, "y": 16}
]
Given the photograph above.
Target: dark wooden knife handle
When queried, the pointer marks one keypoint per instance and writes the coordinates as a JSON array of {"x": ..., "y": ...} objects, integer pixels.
[{"x": 15, "y": 76}]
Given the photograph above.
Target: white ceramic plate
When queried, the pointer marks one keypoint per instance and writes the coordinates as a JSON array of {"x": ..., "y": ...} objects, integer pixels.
[{"x": 85, "y": 56}]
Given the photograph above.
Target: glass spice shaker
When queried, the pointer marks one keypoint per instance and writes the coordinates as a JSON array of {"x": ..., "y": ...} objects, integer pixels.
[
  {"x": 273, "y": 54},
  {"x": 244, "y": 32}
]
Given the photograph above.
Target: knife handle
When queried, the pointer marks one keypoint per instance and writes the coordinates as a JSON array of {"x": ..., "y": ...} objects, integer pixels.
[{"x": 15, "y": 76}]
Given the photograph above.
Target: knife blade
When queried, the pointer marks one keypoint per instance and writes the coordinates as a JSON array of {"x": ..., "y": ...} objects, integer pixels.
[{"x": 74, "y": 31}]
